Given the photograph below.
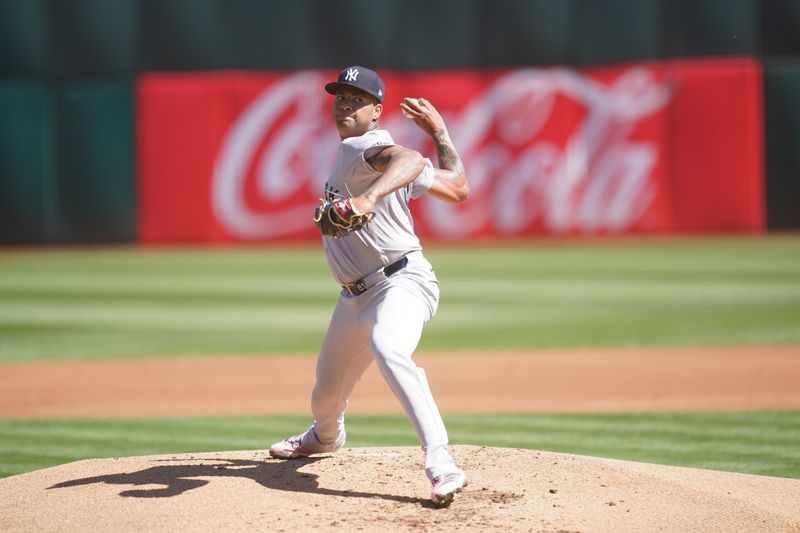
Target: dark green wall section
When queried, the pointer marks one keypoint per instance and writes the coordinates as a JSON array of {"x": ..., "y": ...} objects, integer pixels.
[
  {"x": 67, "y": 169},
  {"x": 119, "y": 38},
  {"x": 715, "y": 27},
  {"x": 66, "y": 163},
  {"x": 92, "y": 37},
  {"x": 95, "y": 162},
  {"x": 782, "y": 121},
  {"x": 28, "y": 187},
  {"x": 23, "y": 38},
  {"x": 69, "y": 38}
]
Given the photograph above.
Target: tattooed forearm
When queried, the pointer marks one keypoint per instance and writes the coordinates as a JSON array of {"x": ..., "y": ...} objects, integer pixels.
[
  {"x": 380, "y": 160},
  {"x": 399, "y": 166},
  {"x": 404, "y": 168},
  {"x": 446, "y": 152}
]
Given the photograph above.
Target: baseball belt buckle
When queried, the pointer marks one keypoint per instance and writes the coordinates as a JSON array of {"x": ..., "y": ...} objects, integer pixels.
[{"x": 354, "y": 289}]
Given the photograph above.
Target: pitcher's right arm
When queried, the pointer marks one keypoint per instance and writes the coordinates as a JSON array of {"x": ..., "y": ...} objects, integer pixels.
[{"x": 450, "y": 179}]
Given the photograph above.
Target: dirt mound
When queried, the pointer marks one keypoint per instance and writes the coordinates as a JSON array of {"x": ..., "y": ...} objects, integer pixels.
[{"x": 375, "y": 489}]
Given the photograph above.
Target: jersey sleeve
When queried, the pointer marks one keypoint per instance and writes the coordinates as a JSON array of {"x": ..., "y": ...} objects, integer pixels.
[
  {"x": 424, "y": 181},
  {"x": 375, "y": 141},
  {"x": 372, "y": 150}
]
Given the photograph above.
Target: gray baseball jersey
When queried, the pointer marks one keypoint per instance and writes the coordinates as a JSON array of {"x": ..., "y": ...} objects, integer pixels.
[
  {"x": 390, "y": 234},
  {"x": 384, "y": 323}
]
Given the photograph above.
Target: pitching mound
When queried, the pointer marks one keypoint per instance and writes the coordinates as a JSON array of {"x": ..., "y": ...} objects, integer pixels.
[{"x": 380, "y": 489}]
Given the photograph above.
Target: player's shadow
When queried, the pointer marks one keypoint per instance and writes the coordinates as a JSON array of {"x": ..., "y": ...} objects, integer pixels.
[{"x": 179, "y": 478}]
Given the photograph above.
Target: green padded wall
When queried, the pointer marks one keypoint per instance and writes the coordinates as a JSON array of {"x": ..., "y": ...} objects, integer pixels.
[
  {"x": 28, "y": 188},
  {"x": 782, "y": 123},
  {"x": 96, "y": 200},
  {"x": 67, "y": 68},
  {"x": 66, "y": 163}
]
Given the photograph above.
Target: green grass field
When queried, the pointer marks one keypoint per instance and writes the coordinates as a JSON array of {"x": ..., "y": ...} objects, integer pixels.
[
  {"x": 128, "y": 303},
  {"x": 756, "y": 443}
]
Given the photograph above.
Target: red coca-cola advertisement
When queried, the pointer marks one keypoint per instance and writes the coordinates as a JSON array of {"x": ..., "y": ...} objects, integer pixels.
[{"x": 652, "y": 148}]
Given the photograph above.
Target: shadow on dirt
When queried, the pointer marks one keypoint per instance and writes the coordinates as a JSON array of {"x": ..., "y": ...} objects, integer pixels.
[{"x": 272, "y": 474}]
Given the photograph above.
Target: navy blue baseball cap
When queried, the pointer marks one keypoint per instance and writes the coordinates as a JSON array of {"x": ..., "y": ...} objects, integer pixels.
[{"x": 361, "y": 78}]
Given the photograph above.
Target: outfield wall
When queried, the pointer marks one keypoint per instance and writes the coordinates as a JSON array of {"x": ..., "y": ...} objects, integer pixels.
[
  {"x": 656, "y": 148},
  {"x": 69, "y": 71},
  {"x": 67, "y": 170}
]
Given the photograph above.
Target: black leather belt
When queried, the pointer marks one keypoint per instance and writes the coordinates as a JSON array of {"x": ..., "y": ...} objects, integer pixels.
[{"x": 360, "y": 286}]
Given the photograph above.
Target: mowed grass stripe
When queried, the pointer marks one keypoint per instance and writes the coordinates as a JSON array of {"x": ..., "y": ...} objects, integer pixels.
[
  {"x": 153, "y": 302},
  {"x": 183, "y": 262},
  {"x": 154, "y": 316},
  {"x": 664, "y": 435},
  {"x": 93, "y": 342},
  {"x": 170, "y": 286},
  {"x": 760, "y": 442},
  {"x": 744, "y": 430},
  {"x": 691, "y": 259},
  {"x": 627, "y": 290},
  {"x": 592, "y": 325},
  {"x": 546, "y": 289}
]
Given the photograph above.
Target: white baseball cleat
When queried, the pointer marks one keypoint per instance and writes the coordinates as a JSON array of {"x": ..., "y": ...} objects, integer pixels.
[
  {"x": 446, "y": 486},
  {"x": 303, "y": 445}
]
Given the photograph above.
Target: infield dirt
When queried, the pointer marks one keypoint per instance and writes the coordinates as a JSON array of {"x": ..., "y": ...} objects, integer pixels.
[
  {"x": 590, "y": 380},
  {"x": 380, "y": 489},
  {"x": 375, "y": 489}
]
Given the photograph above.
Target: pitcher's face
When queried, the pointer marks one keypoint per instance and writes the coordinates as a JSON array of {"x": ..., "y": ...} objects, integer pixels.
[{"x": 355, "y": 111}]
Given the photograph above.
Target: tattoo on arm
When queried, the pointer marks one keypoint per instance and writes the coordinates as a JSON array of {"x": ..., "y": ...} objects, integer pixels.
[
  {"x": 379, "y": 160},
  {"x": 399, "y": 169},
  {"x": 447, "y": 154},
  {"x": 404, "y": 171}
]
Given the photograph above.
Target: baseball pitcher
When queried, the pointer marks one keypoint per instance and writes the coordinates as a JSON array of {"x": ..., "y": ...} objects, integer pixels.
[{"x": 389, "y": 290}]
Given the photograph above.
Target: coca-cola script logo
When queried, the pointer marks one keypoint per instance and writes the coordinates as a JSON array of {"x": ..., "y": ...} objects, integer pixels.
[{"x": 528, "y": 160}]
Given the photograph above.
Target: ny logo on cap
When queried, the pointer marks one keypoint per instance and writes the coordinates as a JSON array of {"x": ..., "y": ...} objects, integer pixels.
[{"x": 352, "y": 74}]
